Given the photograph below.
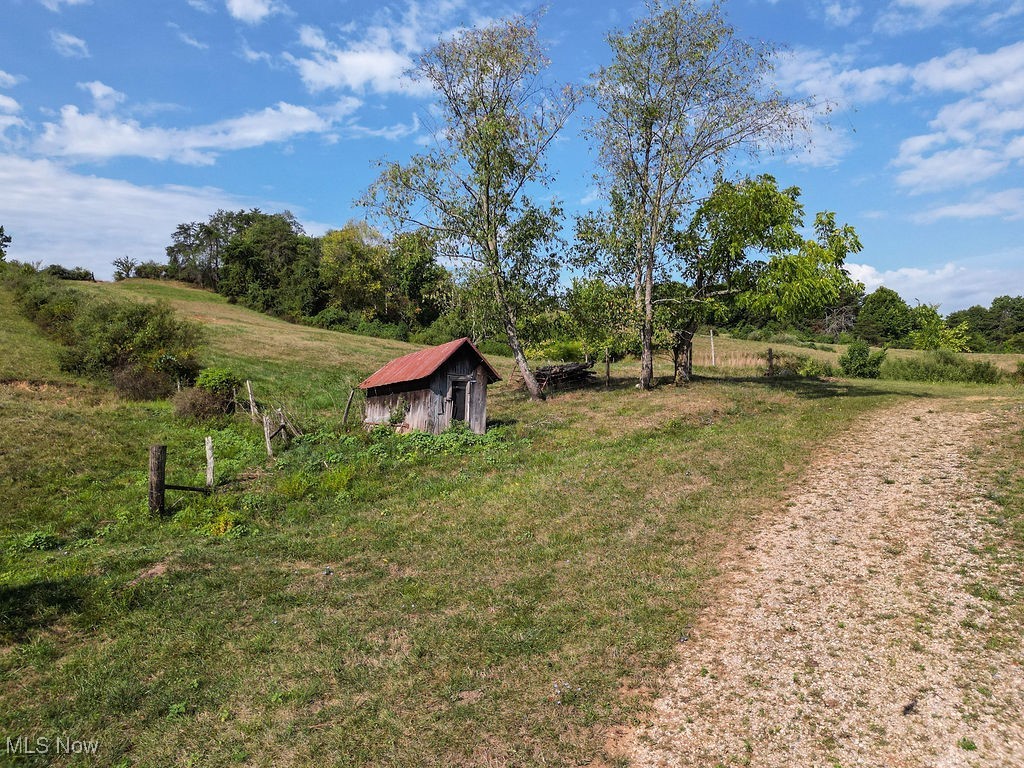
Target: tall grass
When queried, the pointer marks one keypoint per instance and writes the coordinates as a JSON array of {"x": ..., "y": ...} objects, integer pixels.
[{"x": 941, "y": 366}]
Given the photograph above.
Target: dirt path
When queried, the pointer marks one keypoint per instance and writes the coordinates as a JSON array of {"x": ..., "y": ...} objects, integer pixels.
[{"x": 851, "y": 630}]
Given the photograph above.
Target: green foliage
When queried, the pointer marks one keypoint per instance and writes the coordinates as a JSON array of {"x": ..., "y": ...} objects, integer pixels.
[
  {"x": 884, "y": 318},
  {"x": 142, "y": 347},
  {"x": 5, "y": 241},
  {"x": 474, "y": 189},
  {"x": 36, "y": 540},
  {"x": 932, "y": 332},
  {"x": 860, "y": 362},
  {"x": 811, "y": 367},
  {"x": 562, "y": 350},
  {"x": 998, "y": 328},
  {"x": 222, "y": 382},
  {"x": 74, "y": 273},
  {"x": 113, "y": 335},
  {"x": 152, "y": 270},
  {"x": 941, "y": 365}
]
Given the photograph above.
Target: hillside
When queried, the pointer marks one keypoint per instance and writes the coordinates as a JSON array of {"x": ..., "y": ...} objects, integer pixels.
[{"x": 374, "y": 601}]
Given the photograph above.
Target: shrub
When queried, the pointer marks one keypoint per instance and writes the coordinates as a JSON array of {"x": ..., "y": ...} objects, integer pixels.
[
  {"x": 860, "y": 362},
  {"x": 562, "y": 350},
  {"x": 941, "y": 365},
  {"x": 75, "y": 273},
  {"x": 113, "y": 335},
  {"x": 812, "y": 368},
  {"x": 222, "y": 383},
  {"x": 197, "y": 404},
  {"x": 152, "y": 270},
  {"x": 142, "y": 384}
]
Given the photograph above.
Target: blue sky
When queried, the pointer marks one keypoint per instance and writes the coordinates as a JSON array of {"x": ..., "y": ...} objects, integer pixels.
[{"x": 120, "y": 119}]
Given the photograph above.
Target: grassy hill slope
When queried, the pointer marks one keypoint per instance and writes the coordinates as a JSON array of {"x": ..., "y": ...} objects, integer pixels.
[{"x": 368, "y": 601}]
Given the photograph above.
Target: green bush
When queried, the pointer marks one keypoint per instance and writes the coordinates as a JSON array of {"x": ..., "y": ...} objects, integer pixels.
[
  {"x": 113, "y": 335},
  {"x": 813, "y": 368},
  {"x": 562, "y": 350},
  {"x": 143, "y": 348},
  {"x": 860, "y": 362},
  {"x": 941, "y": 365},
  {"x": 219, "y": 381},
  {"x": 74, "y": 273}
]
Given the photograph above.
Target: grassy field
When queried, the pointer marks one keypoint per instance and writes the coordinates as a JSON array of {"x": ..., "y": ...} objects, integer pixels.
[{"x": 372, "y": 601}]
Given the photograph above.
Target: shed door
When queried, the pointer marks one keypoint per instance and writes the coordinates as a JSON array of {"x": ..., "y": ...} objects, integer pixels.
[{"x": 459, "y": 400}]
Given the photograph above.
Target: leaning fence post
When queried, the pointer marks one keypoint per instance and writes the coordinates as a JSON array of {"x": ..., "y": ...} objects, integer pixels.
[
  {"x": 351, "y": 392},
  {"x": 209, "y": 462},
  {"x": 157, "y": 476},
  {"x": 266, "y": 436}
]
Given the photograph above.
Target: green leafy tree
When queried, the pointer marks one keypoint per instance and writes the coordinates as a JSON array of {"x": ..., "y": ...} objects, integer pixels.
[
  {"x": 473, "y": 190},
  {"x": 599, "y": 318},
  {"x": 682, "y": 95},
  {"x": 5, "y": 241},
  {"x": 885, "y": 318},
  {"x": 932, "y": 332},
  {"x": 124, "y": 266}
]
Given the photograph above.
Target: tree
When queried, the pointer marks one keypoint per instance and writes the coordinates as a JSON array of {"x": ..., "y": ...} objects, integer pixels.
[
  {"x": 124, "y": 266},
  {"x": 885, "y": 318},
  {"x": 598, "y": 318},
  {"x": 472, "y": 192},
  {"x": 5, "y": 240},
  {"x": 681, "y": 96},
  {"x": 932, "y": 332}
]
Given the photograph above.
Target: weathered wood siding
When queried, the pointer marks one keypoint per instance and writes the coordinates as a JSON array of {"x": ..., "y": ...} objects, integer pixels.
[
  {"x": 421, "y": 407},
  {"x": 430, "y": 408}
]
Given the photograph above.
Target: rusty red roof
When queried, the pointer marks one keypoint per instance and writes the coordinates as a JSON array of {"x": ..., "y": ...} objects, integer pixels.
[{"x": 422, "y": 365}]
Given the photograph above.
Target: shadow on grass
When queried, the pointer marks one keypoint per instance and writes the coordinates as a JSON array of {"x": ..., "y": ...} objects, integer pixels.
[
  {"x": 815, "y": 389},
  {"x": 37, "y": 605}
]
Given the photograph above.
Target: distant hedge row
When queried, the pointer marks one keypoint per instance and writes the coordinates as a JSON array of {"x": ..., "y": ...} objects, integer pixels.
[{"x": 143, "y": 349}]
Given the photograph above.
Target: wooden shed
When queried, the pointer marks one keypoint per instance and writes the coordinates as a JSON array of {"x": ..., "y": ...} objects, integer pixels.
[{"x": 433, "y": 387}]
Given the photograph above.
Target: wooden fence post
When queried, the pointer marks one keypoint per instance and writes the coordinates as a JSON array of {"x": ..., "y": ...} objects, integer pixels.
[
  {"x": 266, "y": 436},
  {"x": 253, "y": 411},
  {"x": 157, "y": 476},
  {"x": 771, "y": 362},
  {"x": 209, "y": 462},
  {"x": 712, "y": 347},
  {"x": 351, "y": 394}
]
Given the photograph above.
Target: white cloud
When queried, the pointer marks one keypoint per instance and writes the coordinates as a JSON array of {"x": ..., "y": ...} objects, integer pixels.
[
  {"x": 186, "y": 38},
  {"x": 254, "y": 11},
  {"x": 54, "y": 5},
  {"x": 69, "y": 46},
  {"x": 838, "y": 14},
  {"x": 391, "y": 132},
  {"x": 974, "y": 138},
  {"x": 7, "y": 80},
  {"x": 104, "y": 97},
  {"x": 948, "y": 168},
  {"x": 908, "y": 15},
  {"x": 377, "y": 57},
  {"x": 833, "y": 78},
  {"x": 57, "y": 216},
  {"x": 826, "y": 148},
  {"x": 201, "y": 5},
  {"x": 248, "y": 54},
  {"x": 952, "y": 286},
  {"x": 96, "y": 137},
  {"x": 9, "y": 105},
  {"x": 1005, "y": 204}
]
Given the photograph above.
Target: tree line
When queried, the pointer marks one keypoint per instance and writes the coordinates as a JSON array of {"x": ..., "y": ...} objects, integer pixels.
[{"x": 476, "y": 244}]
